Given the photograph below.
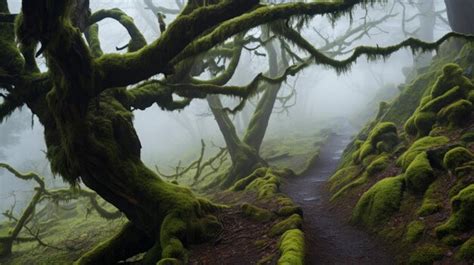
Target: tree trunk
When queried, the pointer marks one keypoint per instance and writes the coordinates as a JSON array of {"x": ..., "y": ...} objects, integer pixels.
[{"x": 460, "y": 15}]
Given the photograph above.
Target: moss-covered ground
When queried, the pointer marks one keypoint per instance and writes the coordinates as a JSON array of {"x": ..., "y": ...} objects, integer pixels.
[{"x": 421, "y": 198}]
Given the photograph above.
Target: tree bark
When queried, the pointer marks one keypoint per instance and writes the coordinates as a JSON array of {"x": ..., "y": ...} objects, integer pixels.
[{"x": 460, "y": 15}]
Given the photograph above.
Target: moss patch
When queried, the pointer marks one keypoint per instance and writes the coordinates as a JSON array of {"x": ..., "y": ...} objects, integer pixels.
[
  {"x": 378, "y": 203},
  {"x": 426, "y": 255},
  {"x": 419, "y": 174},
  {"x": 456, "y": 157},
  {"x": 292, "y": 248},
  {"x": 466, "y": 252},
  {"x": 293, "y": 222}
]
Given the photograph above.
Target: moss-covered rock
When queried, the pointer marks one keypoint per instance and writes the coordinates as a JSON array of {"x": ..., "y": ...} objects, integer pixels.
[
  {"x": 343, "y": 176},
  {"x": 462, "y": 217},
  {"x": 426, "y": 255},
  {"x": 421, "y": 145},
  {"x": 456, "y": 113},
  {"x": 436, "y": 104},
  {"x": 419, "y": 174},
  {"x": 466, "y": 252},
  {"x": 256, "y": 213},
  {"x": 378, "y": 203},
  {"x": 432, "y": 201},
  {"x": 290, "y": 210},
  {"x": 456, "y": 157},
  {"x": 292, "y": 248},
  {"x": 293, "y": 222},
  {"x": 382, "y": 138},
  {"x": 424, "y": 122},
  {"x": 468, "y": 137},
  {"x": 378, "y": 165},
  {"x": 414, "y": 231},
  {"x": 452, "y": 76}
]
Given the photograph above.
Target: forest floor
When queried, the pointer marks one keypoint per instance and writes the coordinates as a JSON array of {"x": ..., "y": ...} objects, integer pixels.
[{"x": 330, "y": 239}]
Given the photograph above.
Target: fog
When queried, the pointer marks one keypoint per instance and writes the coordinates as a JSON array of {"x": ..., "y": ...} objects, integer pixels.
[{"x": 322, "y": 95}]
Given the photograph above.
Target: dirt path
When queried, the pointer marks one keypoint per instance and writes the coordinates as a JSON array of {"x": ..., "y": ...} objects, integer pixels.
[{"x": 329, "y": 238}]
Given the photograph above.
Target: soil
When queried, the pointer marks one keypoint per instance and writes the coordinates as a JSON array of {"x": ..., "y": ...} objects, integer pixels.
[
  {"x": 330, "y": 239},
  {"x": 243, "y": 240}
]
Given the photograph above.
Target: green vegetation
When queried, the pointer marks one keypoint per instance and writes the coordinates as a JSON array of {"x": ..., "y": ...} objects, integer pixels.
[
  {"x": 293, "y": 222},
  {"x": 419, "y": 174},
  {"x": 456, "y": 157},
  {"x": 414, "y": 231},
  {"x": 421, "y": 145},
  {"x": 378, "y": 203},
  {"x": 466, "y": 252},
  {"x": 461, "y": 218},
  {"x": 426, "y": 255},
  {"x": 292, "y": 248}
]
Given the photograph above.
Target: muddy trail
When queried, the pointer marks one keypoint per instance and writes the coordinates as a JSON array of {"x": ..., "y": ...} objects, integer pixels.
[{"x": 330, "y": 239}]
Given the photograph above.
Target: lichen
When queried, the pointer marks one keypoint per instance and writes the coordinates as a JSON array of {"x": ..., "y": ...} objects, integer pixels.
[
  {"x": 292, "y": 248},
  {"x": 378, "y": 203}
]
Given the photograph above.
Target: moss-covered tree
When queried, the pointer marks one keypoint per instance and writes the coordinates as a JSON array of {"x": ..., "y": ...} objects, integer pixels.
[{"x": 86, "y": 110}]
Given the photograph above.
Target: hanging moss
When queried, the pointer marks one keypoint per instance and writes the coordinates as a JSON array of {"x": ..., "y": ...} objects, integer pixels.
[
  {"x": 461, "y": 218},
  {"x": 378, "y": 203},
  {"x": 456, "y": 157},
  {"x": 426, "y": 255},
  {"x": 421, "y": 145},
  {"x": 456, "y": 114},
  {"x": 419, "y": 174}
]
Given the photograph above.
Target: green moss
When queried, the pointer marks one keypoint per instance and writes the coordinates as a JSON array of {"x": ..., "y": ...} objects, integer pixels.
[
  {"x": 382, "y": 138},
  {"x": 455, "y": 114},
  {"x": 243, "y": 183},
  {"x": 461, "y": 218},
  {"x": 468, "y": 137},
  {"x": 256, "y": 213},
  {"x": 169, "y": 261},
  {"x": 432, "y": 200},
  {"x": 378, "y": 203},
  {"x": 452, "y": 76},
  {"x": 421, "y": 145},
  {"x": 436, "y": 104},
  {"x": 414, "y": 231},
  {"x": 419, "y": 174},
  {"x": 452, "y": 240},
  {"x": 342, "y": 176},
  {"x": 292, "y": 248},
  {"x": 290, "y": 210},
  {"x": 426, "y": 255},
  {"x": 466, "y": 252},
  {"x": 456, "y": 157},
  {"x": 378, "y": 165},
  {"x": 359, "y": 181},
  {"x": 293, "y": 222},
  {"x": 424, "y": 122}
]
